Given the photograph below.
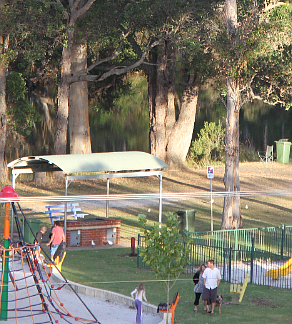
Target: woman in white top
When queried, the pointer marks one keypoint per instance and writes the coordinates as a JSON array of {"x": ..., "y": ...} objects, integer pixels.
[{"x": 139, "y": 295}]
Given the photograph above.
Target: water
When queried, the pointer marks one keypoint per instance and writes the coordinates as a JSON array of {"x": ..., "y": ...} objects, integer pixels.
[
  {"x": 125, "y": 127},
  {"x": 260, "y": 124}
]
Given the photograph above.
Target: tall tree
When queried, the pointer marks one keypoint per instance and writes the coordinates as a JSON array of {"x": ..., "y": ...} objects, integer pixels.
[
  {"x": 73, "y": 10},
  {"x": 173, "y": 87},
  {"x": 102, "y": 67},
  {"x": 79, "y": 131},
  {"x": 170, "y": 134},
  {"x": 231, "y": 217},
  {"x": 25, "y": 27},
  {"x": 250, "y": 40},
  {"x": 4, "y": 45}
]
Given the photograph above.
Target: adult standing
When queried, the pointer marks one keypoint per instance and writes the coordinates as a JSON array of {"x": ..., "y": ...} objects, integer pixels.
[
  {"x": 57, "y": 237},
  {"x": 211, "y": 279},
  {"x": 140, "y": 294},
  {"x": 199, "y": 287}
]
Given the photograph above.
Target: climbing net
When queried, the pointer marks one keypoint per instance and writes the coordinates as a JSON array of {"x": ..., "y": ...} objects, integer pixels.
[
  {"x": 31, "y": 292},
  {"x": 28, "y": 293}
]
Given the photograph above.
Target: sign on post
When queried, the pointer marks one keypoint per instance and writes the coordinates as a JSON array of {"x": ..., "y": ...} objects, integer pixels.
[
  {"x": 210, "y": 175},
  {"x": 210, "y": 172}
]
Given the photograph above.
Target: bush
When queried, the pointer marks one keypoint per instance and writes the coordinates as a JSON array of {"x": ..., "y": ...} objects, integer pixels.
[
  {"x": 247, "y": 153},
  {"x": 209, "y": 146}
]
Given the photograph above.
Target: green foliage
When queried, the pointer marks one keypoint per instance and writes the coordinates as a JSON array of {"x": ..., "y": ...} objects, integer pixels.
[
  {"x": 247, "y": 153},
  {"x": 21, "y": 114},
  {"x": 271, "y": 69},
  {"x": 209, "y": 146},
  {"x": 166, "y": 250}
]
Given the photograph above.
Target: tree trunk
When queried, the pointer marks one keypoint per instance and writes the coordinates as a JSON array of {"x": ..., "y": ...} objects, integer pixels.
[
  {"x": 180, "y": 138},
  {"x": 79, "y": 131},
  {"x": 61, "y": 123},
  {"x": 231, "y": 215},
  {"x": 158, "y": 97},
  {"x": 3, "y": 123},
  {"x": 71, "y": 13},
  {"x": 169, "y": 139},
  {"x": 167, "y": 300},
  {"x": 4, "y": 42}
]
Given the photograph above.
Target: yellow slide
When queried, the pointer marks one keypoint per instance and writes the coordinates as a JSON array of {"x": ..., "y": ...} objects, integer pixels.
[{"x": 282, "y": 271}]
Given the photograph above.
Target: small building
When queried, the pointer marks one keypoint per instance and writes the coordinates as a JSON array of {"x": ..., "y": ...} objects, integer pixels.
[{"x": 93, "y": 231}]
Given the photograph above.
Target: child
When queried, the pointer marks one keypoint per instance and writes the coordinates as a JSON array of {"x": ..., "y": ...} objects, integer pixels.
[
  {"x": 139, "y": 295},
  {"x": 38, "y": 240}
]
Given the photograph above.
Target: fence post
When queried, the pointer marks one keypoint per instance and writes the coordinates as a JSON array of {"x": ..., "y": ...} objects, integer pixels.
[
  {"x": 236, "y": 244},
  {"x": 230, "y": 257},
  {"x": 251, "y": 259},
  {"x": 282, "y": 241},
  {"x": 224, "y": 262}
]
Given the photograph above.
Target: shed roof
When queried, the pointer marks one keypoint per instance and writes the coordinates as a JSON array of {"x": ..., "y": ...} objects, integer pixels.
[{"x": 92, "y": 162}]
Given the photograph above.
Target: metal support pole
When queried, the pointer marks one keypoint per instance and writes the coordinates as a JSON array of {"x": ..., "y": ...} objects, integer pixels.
[
  {"x": 107, "y": 201},
  {"x": 5, "y": 265},
  {"x": 65, "y": 210},
  {"x": 11, "y": 218},
  {"x": 160, "y": 200},
  {"x": 211, "y": 206}
]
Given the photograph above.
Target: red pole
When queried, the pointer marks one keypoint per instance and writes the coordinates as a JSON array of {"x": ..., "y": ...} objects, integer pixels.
[
  {"x": 6, "y": 192},
  {"x": 132, "y": 245}
]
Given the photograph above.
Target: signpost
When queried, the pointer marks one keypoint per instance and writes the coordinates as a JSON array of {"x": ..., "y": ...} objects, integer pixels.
[{"x": 210, "y": 175}]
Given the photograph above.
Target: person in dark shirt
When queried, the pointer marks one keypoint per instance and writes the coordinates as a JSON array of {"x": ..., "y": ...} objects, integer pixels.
[{"x": 38, "y": 241}]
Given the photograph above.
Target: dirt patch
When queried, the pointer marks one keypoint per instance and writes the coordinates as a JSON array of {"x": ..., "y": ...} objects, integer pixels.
[{"x": 264, "y": 302}]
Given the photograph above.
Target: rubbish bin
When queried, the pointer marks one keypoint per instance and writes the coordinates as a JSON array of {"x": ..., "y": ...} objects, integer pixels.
[
  {"x": 283, "y": 150},
  {"x": 27, "y": 234},
  {"x": 187, "y": 219}
]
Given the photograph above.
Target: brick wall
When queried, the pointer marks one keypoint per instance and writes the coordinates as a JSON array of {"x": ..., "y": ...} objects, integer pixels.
[{"x": 93, "y": 230}]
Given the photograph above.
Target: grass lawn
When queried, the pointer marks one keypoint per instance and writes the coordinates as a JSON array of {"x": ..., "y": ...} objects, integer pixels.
[{"x": 113, "y": 269}]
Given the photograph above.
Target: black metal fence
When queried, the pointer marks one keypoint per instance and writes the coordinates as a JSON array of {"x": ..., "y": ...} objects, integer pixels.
[{"x": 265, "y": 254}]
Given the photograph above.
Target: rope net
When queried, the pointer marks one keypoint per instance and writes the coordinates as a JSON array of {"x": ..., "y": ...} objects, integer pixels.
[{"x": 33, "y": 297}]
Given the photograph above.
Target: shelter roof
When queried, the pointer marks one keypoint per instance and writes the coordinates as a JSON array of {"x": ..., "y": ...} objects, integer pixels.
[{"x": 92, "y": 162}]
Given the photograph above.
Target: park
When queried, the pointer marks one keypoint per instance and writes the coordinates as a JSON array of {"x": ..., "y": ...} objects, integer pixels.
[{"x": 111, "y": 267}]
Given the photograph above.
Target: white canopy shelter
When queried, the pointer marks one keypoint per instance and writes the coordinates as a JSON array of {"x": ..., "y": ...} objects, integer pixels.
[{"x": 99, "y": 165}]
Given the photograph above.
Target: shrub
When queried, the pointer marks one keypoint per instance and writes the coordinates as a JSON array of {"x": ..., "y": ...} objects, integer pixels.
[{"x": 209, "y": 146}]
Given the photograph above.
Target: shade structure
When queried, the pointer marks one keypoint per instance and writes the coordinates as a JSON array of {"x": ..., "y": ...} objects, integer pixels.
[
  {"x": 93, "y": 166},
  {"x": 83, "y": 163}
]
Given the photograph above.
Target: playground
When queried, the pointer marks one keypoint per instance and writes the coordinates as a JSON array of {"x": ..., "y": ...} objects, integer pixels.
[
  {"x": 30, "y": 292},
  {"x": 283, "y": 205},
  {"x": 29, "y": 308}
]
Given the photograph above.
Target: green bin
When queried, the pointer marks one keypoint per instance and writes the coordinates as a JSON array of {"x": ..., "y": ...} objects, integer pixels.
[
  {"x": 187, "y": 219},
  {"x": 283, "y": 150},
  {"x": 27, "y": 234}
]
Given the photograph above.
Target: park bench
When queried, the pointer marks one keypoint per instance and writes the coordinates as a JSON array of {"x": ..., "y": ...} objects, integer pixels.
[
  {"x": 57, "y": 211},
  {"x": 162, "y": 308},
  {"x": 239, "y": 290}
]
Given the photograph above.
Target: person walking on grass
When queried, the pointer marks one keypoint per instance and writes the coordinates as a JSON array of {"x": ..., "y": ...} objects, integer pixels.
[
  {"x": 211, "y": 278},
  {"x": 140, "y": 294}
]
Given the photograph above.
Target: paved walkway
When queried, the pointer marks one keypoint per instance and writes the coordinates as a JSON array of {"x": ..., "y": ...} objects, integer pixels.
[{"x": 88, "y": 304}]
